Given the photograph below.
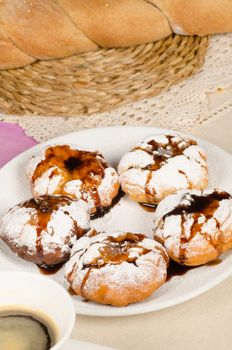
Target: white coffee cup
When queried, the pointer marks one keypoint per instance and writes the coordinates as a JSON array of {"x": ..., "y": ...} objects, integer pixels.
[{"x": 39, "y": 295}]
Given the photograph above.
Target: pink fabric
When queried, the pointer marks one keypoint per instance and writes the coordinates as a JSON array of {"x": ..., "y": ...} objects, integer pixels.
[{"x": 13, "y": 141}]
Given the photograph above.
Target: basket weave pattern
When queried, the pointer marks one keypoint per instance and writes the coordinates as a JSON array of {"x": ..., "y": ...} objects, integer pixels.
[{"x": 101, "y": 80}]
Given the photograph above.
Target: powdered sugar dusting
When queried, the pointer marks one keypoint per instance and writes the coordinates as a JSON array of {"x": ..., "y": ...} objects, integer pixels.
[
  {"x": 173, "y": 232},
  {"x": 19, "y": 226},
  {"x": 186, "y": 169},
  {"x": 33, "y": 162},
  {"x": 88, "y": 251},
  {"x": 134, "y": 180},
  {"x": 54, "y": 180},
  {"x": 74, "y": 188},
  {"x": 47, "y": 184},
  {"x": 160, "y": 138},
  {"x": 15, "y": 225},
  {"x": 136, "y": 159},
  {"x": 109, "y": 181}
]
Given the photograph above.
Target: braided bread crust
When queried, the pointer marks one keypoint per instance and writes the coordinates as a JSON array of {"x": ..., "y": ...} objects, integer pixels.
[
  {"x": 46, "y": 29},
  {"x": 197, "y": 17}
]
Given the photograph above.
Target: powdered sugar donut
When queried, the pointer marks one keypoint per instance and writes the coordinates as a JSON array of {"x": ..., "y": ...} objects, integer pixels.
[
  {"x": 44, "y": 232},
  {"x": 194, "y": 227},
  {"x": 65, "y": 170},
  {"x": 116, "y": 268},
  {"x": 160, "y": 165}
]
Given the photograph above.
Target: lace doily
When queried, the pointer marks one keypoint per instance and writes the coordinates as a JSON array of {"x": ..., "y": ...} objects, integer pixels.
[{"x": 182, "y": 107}]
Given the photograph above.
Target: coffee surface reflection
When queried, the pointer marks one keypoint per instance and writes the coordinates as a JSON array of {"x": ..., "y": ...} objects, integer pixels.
[{"x": 25, "y": 332}]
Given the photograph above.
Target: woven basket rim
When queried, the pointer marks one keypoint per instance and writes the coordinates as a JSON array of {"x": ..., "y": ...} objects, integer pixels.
[{"x": 99, "y": 81}]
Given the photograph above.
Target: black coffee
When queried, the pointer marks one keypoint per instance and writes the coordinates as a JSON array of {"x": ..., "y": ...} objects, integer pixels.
[{"x": 24, "y": 332}]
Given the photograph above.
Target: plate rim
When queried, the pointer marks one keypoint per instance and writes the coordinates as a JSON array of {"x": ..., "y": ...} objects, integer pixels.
[
  {"x": 119, "y": 312},
  {"x": 105, "y": 128}
]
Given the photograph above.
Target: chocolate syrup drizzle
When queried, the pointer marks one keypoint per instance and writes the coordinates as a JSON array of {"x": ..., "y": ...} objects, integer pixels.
[
  {"x": 198, "y": 205},
  {"x": 88, "y": 167},
  {"x": 44, "y": 210},
  {"x": 148, "y": 207},
  {"x": 101, "y": 211},
  {"x": 176, "y": 269},
  {"x": 114, "y": 251},
  {"x": 44, "y": 207},
  {"x": 50, "y": 269},
  {"x": 161, "y": 153}
]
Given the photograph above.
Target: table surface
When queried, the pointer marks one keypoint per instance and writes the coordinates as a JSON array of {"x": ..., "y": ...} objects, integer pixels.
[{"x": 202, "y": 323}]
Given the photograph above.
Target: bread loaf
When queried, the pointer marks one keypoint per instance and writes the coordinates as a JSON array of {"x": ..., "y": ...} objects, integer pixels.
[
  {"x": 45, "y": 29},
  {"x": 197, "y": 17}
]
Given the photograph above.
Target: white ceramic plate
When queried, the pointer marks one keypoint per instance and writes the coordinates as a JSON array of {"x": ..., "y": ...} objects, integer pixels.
[
  {"x": 127, "y": 215},
  {"x": 76, "y": 344}
]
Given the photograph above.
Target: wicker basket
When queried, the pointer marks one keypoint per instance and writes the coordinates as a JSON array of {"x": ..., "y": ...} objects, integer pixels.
[{"x": 101, "y": 80}]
